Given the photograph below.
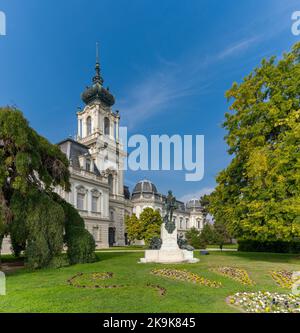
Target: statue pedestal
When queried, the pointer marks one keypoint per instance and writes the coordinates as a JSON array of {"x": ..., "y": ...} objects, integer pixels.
[{"x": 169, "y": 251}]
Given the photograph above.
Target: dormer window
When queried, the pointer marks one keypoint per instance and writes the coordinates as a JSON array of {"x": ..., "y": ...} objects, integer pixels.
[{"x": 88, "y": 165}]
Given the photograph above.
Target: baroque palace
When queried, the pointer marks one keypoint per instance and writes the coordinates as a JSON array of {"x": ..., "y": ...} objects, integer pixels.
[{"x": 96, "y": 159}]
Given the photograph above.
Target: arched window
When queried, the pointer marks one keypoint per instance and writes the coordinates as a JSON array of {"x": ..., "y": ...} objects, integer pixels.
[
  {"x": 198, "y": 223},
  {"x": 110, "y": 183},
  {"x": 88, "y": 126},
  {"x": 106, "y": 126}
]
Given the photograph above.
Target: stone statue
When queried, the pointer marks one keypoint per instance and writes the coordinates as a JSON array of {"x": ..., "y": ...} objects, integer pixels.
[
  {"x": 169, "y": 248},
  {"x": 170, "y": 205},
  {"x": 183, "y": 244},
  {"x": 155, "y": 243}
]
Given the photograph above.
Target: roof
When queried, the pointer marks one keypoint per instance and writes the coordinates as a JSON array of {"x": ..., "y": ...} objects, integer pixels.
[
  {"x": 73, "y": 151},
  {"x": 144, "y": 186}
]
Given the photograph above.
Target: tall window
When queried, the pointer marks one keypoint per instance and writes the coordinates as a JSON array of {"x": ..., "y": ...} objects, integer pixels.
[
  {"x": 186, "y": 223},
  {"x": 80, "y": 201},
  {"x": 106, "y": 126},
  {"x": 80, "y": 128},
  {"x": 198, "y": 224},
  {"x": 115, "y": 130},
  {"x": 88, "y": 126},
  {"x": 95, "y": 204},
  {"x": 110, "y": 183},
  {"x": 88, "y": 165},
  {"x": 112, "y": 217},
  {"x": 181, "y": 226}
]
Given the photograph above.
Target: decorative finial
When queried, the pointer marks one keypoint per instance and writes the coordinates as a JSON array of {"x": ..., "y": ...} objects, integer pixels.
[
  {"x": 97, "y": 52},
  {"x": 97, "y": 78}
]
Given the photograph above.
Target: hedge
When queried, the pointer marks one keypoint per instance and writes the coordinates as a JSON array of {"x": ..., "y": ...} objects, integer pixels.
[{"x": 278, "y": 246}]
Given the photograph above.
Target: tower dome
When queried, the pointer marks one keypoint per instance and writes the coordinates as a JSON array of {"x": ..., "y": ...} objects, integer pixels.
[
  {"x": 193, "y": 203},
  {"x": 97, "y": 92},
  {"x": 144, "y": 186}
]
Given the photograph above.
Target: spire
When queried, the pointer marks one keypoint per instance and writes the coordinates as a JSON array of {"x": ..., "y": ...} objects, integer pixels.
[
  {"x": 97, "y": 92},
  {"x": 97, "y": 78}
]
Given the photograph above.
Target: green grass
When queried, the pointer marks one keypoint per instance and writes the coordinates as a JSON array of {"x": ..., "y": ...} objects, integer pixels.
[
  {"x": 143, "y": 247},
  {"x": 48, "y": 291},
  {"x": 121, "y": 248}
]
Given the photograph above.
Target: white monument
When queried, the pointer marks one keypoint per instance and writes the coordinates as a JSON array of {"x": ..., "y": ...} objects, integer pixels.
[{"x": 168, "y": 250}]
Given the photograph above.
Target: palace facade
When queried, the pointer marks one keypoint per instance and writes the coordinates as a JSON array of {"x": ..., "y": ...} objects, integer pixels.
[{"x": 96, "y": 159}]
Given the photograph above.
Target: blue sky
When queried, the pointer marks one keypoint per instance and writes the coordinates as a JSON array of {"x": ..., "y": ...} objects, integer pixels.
[{"x": 167, "y": 62}]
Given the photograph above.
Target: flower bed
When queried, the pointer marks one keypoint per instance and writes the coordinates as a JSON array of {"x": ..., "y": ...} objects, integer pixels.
[
  {"x": 161, "y": 290},
  {"x": 283, "y": 278},
  {"x": 92, "y": 280},
  {"x": 266, "y": 302},
  {"x": 184, "y": 275},
  {"x": 234, "y": 273}
]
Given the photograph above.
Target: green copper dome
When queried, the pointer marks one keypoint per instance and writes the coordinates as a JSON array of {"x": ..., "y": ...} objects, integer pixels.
[{"x": 97, "y": 92}]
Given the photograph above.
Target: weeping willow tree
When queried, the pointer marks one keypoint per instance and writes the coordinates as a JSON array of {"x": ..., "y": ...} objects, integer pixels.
[{"x": 30, "y": 213}]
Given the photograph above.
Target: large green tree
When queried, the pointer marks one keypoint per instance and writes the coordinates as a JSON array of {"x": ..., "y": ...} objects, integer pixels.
[
  {"x": 30, "y": 212},
  {"x": 193, "y": 238},
  {"x": 258, "y": 194},
  {"x": 133, "y": 228},
  {"x": 145, "y": 227}
]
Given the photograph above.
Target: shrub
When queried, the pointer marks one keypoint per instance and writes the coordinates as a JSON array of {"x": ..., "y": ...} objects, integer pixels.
[
  {"x": 81, "y": 246},
  {"x": 59, "y": 261},
  {"x": 44, "y": 226},
  {"x": 277, "y": 246},
  {"x": 37, "y": 253}
]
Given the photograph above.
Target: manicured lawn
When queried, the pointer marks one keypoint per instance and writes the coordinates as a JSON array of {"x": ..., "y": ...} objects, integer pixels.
[
  {"x": 118, "y": 248},
  {"x": 143, "y": 247},
  {"x": 48, "y": 290}
]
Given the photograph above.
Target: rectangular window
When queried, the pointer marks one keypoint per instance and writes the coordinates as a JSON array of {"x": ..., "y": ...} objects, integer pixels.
[
  {"x": 95, "y": 204},
  {"x": 80, "y": 128},
  {"x": 88, "y": 165},
  {"x": 80, "y": 201},
  {"x": 181, "y": 223}
]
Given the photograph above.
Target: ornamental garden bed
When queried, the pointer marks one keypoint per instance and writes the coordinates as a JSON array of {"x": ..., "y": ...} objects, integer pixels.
[
  {"x": 92, "y": 280},
  {"x": 283, "y": 278},
  {"x": 161, "y": 290},
  {"x": 265, "y": 302},
  {"x": 185, "y": 276},
  {"x": 238, "y": 274}
]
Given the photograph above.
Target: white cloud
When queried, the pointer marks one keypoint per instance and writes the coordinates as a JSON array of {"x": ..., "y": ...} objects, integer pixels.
[
  {"x": 197, "y": 194},
  {"x": 159, "y": 90},
  {"x": 170, "y": 81},
  {"x": 237, "y": 47}
]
